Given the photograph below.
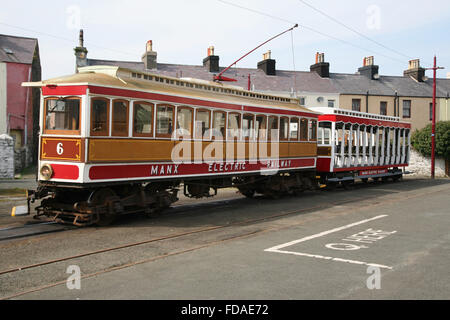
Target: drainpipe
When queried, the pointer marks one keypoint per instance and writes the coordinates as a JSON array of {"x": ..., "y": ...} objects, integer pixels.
[
  {"x": 26, "y": 109},
  {"x": 446, "y": 108},
  {"x": 367, "y": 101},
  {"x": 395, "y": 104}
]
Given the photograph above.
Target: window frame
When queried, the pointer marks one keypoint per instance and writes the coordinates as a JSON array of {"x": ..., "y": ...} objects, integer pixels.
[
  {"x": 296, "y": 119},
  {"x": 403, "y": 109},
  {"x": 224, "y": 136},
  {"x": 301, "y": 137},
  {"x": 257, "y": 136},
  {"x": 269, "y": 136},
  {"x": 164, "y": 135},
  {"x": 313, "y": 123},
  {"x": 115, "y": 133},
  {"x": 359, "y": 104},
  {"x": 108, "y": 105},
  {"x": 385, "y": 110},
  {"x": 210, "y": 124},
  {"x": 228, "y": 137},
  {"x": 288, "y": 129},
  {"x": 251, "y": 131},
  {"x": 58, "y": 131},
  {"x": 191, "y": 126},
  {"x": 136, "y": 134}
]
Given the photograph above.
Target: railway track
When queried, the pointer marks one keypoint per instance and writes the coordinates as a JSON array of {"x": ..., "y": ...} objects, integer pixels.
[{"x": 178, "y": 209}]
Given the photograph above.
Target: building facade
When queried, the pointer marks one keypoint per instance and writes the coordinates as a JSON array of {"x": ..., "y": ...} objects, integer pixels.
[{"x": 19, "y": 106}]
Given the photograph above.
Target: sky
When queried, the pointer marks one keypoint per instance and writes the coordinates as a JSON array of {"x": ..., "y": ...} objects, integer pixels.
[{"x": 346, "y": 31}]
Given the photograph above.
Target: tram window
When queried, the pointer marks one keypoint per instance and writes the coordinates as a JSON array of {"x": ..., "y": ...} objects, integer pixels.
[
  {"x": 164, "y": 120},
  {"x": 234, "y": 124},
  {"x": 320, "y": 135},
  {"x": 63, "y": 114},
  {"x": 184, "y": 122},
  {"x": 219, "y": 119},
  {"x": 260, "y": 127},
  {"x": 248, "y": 127},
  {"x": 284, "y": 128},
  {"x": 143, "y": 119},
  {"x": 120, "y": 118},
  {"x": 273, "y": 128},
  {"x": 326, "y": 135},
  {"x": 293, "y": 129},
  {"x": 202, "y": 123},
  {"x": 99, "y": 117},
  {"x": 312, "y": 130},
  {"x": 304, "y": 129}
]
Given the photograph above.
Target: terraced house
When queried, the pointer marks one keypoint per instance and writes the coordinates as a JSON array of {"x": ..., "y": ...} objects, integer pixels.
[{"x": 407, "y": 96}]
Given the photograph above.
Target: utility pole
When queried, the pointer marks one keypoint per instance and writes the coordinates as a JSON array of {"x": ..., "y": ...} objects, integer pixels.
[{"x": 433, "y": 118}]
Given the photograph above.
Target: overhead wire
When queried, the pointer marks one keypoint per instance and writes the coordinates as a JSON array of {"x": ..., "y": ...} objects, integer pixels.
[
  {"x": 312, "y": 30},
  {"x": 353, "y": 30}
]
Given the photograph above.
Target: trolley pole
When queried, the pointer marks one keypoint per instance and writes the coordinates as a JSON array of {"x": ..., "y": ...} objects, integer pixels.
[{"x": 433, "y": 118}]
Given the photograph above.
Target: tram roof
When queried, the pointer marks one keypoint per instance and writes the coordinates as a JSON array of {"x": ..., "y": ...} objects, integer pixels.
[{"x": 123, "y": 78}]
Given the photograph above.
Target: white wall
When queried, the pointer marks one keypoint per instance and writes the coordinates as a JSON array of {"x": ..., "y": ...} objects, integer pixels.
[{"x": 3, "y": 82}]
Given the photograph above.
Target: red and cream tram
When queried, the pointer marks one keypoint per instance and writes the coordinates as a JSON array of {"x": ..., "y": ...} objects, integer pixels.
[
  {"x": 355, "y": 145},
  {"x": 115, "y": 141}
]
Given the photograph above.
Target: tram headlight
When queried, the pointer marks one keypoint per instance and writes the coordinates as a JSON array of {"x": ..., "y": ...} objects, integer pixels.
[{"x": 46, "y": 171}]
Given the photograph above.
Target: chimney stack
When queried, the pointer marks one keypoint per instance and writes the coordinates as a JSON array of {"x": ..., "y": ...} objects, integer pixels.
[
  {"x": 414, "y": 70},
  {"x": 80, "y": 53},
  {"x": 149, "y": 57},
  {"x": 321, "y": 67},
  {"x": 267, "y": 64},
  {"x": 211, "y": 62},
  {"x": 369, "y": 69}
]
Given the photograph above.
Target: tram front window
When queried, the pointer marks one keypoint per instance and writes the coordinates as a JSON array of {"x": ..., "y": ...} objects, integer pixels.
[{"x": 62, "y": 114}]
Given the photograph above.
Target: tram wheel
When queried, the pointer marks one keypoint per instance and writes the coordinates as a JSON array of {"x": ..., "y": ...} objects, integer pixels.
[
  {"x": 100, "y": 197},
  {"x": 365, "y": 180},
  {"x": 347, "y": 184}
]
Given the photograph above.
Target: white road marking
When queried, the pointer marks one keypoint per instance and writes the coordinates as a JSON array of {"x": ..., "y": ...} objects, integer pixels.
[{"x": 321, "y": 234}]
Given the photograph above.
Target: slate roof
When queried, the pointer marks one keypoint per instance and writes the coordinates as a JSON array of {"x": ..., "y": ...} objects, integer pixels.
[
  {"x": 301, "y": 81},
  {"x": 17, "y": 49}
]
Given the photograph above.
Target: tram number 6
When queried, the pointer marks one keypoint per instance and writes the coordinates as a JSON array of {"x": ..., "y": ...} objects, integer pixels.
[{"x": 59, "y": 148}]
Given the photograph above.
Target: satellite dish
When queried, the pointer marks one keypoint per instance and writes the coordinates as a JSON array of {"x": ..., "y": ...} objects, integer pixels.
[
  {"x": 376, "y": 76},
  {"x": 319, "y": 99}
]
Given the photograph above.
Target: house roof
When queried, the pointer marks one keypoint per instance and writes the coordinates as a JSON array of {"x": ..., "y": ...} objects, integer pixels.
[
  {"x": 17, "y": 49},
  {"x": 300, "y": 81}
]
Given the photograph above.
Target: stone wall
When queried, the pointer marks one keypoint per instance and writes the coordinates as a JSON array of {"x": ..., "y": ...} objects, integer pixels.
[
  {"x": 420, "y": 165},
  {"x": 6, "y": 156}
]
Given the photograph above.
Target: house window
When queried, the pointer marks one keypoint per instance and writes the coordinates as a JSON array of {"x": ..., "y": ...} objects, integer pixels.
[
  {"x": 302, "y": 101},
  {"x": 99, "y": 117},
  {"x": 120, "y": 118},
  {"x": 164, "y": 120},
  {"x": 356, "y": 104},
  {"x": 63, "y": 114},
  {"x": 330, "y": 103},
  {"x": 406, "y": 108},
  {"x": 383, "y": 108},
  {"x": 143, "y": 119}
]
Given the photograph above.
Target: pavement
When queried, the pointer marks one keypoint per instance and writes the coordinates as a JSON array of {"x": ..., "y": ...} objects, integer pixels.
[{"x": 383, "y": 241}]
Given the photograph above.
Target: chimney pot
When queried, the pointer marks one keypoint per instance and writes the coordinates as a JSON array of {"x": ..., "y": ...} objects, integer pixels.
[
  {"x": 211, "y": 62},
  {"x": 415, "y": 71},
  {"x": 149, "y": 57},
  {"x": 210, "y": 51},
  {"x": 321, "y": 67},
  {"x": 267, "y": 64}
]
